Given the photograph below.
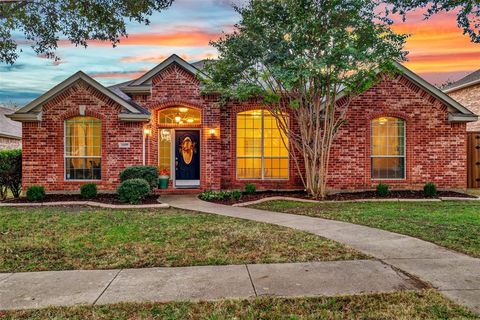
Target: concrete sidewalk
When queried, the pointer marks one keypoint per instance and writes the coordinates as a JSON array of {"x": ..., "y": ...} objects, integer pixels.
[
  {"x": 456, "y": 275},
  {"x": 65, "y": 288}
]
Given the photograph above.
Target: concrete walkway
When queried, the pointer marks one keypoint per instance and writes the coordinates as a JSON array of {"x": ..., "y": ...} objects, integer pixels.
[
  {"x": 454, "y": 274},
  {"x": 65, "y": 288}
]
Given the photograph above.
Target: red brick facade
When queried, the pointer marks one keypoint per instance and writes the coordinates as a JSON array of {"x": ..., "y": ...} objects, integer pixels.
[
  {"x": 43, "y": 142},
  {"x": 435, "y": 148}
]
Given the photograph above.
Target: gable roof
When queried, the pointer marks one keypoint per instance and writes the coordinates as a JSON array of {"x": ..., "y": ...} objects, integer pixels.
[
  {"x": 33, "y": 110},
  {"x": 9, "y": 128},
  {"x": 461, "y": 113},
  {"x": 467, "y": 81},
  {"x": 146, "y": 78}
]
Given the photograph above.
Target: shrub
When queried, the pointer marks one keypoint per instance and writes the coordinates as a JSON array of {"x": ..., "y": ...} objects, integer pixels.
[
  {"x": 235, "y": 194},
  {"x": 430, "y": 189},
  {"x": 207, "y": 195},
  {"x": 88, "y": 190},
  {"x": 147, "y": 173},
  {"x": 133, "y": 190},
  {"x": 10, "y": 172},
  {"x": 250, "y": 188},
  {"x": 210, "y": 195},
  {"x": 35, "y": 193},
  {"x": 382, "y": 190}
]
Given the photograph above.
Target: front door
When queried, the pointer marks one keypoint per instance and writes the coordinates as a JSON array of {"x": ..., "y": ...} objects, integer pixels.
[{"x": 187, "y": 158}]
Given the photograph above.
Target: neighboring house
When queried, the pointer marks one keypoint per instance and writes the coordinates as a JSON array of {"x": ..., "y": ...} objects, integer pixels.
[
  {"x": 403, "y": 131},
  {"x": 467, "y": 92},
  {"x": 10, "y": 131}
]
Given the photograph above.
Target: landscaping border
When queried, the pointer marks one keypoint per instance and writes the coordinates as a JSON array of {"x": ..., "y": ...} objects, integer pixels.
[
  {"x": 276, "y": 198},
  {"x": 87, "y": 203}
]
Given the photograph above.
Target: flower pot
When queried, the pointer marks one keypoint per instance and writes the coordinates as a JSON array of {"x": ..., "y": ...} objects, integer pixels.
[{"x": 163, "y": 182}]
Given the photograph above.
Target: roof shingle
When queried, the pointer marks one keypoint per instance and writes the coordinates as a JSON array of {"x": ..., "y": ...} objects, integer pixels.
[{"x": 9, "y": 127}]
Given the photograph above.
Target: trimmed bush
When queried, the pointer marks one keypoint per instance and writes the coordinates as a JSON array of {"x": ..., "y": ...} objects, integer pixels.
[
  {"x": 250, "y": 188},
  {"x": 10, "y": 173},
  {"x": 382, "y": 190},
  {"x": 88, "y": 190},
  {"x": 133, "y": 191},
  {"x": 35, "y": 193},
  {"x": 430, "y": 190},
  {"x": 147, "y": 173},
  {"x": 210, "y": 195},
  {"x": 235, "y": 194}
]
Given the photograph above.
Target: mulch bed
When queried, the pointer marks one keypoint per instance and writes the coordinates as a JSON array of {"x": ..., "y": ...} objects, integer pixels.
[
  {"x": 394, "y": 194},
  {"x": 108, "y": 198}
]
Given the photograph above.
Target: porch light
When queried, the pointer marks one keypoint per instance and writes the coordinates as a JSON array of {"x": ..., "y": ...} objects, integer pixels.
[
  {"x": 147, "y": 131},
  {"x": 212, "y": 132}
]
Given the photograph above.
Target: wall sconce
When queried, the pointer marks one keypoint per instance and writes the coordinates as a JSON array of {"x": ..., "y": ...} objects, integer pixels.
[
  {"x": 147, "y": 131},
  {"x": 213, "y": 132}
]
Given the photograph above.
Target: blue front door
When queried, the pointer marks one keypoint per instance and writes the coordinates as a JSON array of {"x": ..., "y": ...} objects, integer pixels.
[{"x": 187, "y": 158}]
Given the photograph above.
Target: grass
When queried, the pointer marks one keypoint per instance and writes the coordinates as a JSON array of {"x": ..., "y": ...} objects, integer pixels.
[
  {"x": 52, "y": 238},
  {"x": 452, "y": 224},
  {"x": 426, "y": 304}
]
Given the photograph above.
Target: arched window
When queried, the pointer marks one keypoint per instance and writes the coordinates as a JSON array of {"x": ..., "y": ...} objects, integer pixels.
[
  {"x": 262, "y": 151},
  {"x": 388, "y": 148},
  {"x": 83, "y": 148},
  {"x": 179, "y": 116}
]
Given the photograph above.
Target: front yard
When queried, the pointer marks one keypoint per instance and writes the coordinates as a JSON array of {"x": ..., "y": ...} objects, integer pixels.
[
  {"x": 35, "y": 239},
  {"x": 452, "y": 224},
  {"x": 426, "y": 304}
]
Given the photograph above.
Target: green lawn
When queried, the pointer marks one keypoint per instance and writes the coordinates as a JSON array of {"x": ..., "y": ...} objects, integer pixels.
[
  {"x": 426, "y": 304},
  {"x": 51, "y": 238},
  {"x": 452, "y": 224}
]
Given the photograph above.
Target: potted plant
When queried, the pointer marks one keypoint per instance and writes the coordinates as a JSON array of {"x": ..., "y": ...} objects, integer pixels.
[{"x": 163, "y": 179}]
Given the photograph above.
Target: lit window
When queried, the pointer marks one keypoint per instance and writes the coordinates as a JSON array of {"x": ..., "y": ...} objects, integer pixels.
[
  {"x": 164, "y": 147},
  {"x": 388, "y": 148},
  {"x": 83, "y": 148},
  {"x": 179, "y": 116},
  {"x": 262, "y": 151}
]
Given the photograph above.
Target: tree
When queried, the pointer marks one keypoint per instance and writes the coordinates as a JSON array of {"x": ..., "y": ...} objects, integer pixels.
[
  {"x": 43, "y": 22},
  {"x": 468, "y": 12},
  {"x": 301, "y": 57}
]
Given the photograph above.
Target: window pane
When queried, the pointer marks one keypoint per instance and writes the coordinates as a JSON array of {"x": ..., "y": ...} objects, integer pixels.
[
  {"x": 259, "y": 140},
  {"x": 83, "y": 142},
  {"x": 388, "y": 148},
  {"x": 83, "y": 168},
  {"x": 164, "y": 148},
  {"x": 249, "y": 168},
  {"x": 388, "y": 168},
  {"x": 388, "y": 137}
]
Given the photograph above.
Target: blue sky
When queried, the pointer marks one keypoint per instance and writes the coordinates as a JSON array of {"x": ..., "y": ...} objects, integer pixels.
[{"x": 438, "y": 50}]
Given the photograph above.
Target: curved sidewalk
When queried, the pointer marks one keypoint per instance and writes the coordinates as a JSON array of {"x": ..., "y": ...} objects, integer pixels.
[{"x": 454, "y": 274}]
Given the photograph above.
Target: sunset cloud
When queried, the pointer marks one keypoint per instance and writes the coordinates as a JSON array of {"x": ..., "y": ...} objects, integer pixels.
[
  {"x": 118, "y": 75},
  {"x": 438, "y": 50},
  {"x": 160, "y": 58},
  {"x": 194, "y": 38}
]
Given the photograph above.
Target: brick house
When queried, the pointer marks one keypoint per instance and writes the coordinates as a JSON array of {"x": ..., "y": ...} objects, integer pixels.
[
  {"x": 10, "y": 131},
  {"x": 467, "y": 92},
  {"x": 403, "y": 131}
]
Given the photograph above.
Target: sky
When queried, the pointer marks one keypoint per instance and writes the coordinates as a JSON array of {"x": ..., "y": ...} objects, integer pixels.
[{"x": 437, "y": 50}]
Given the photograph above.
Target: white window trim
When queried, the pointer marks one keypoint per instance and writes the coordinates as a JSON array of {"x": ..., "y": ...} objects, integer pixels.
[
  {"x": 262, "y": 157},
  {"x": 404, "y": 156},
  {"x": 65, "y": 157}
]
